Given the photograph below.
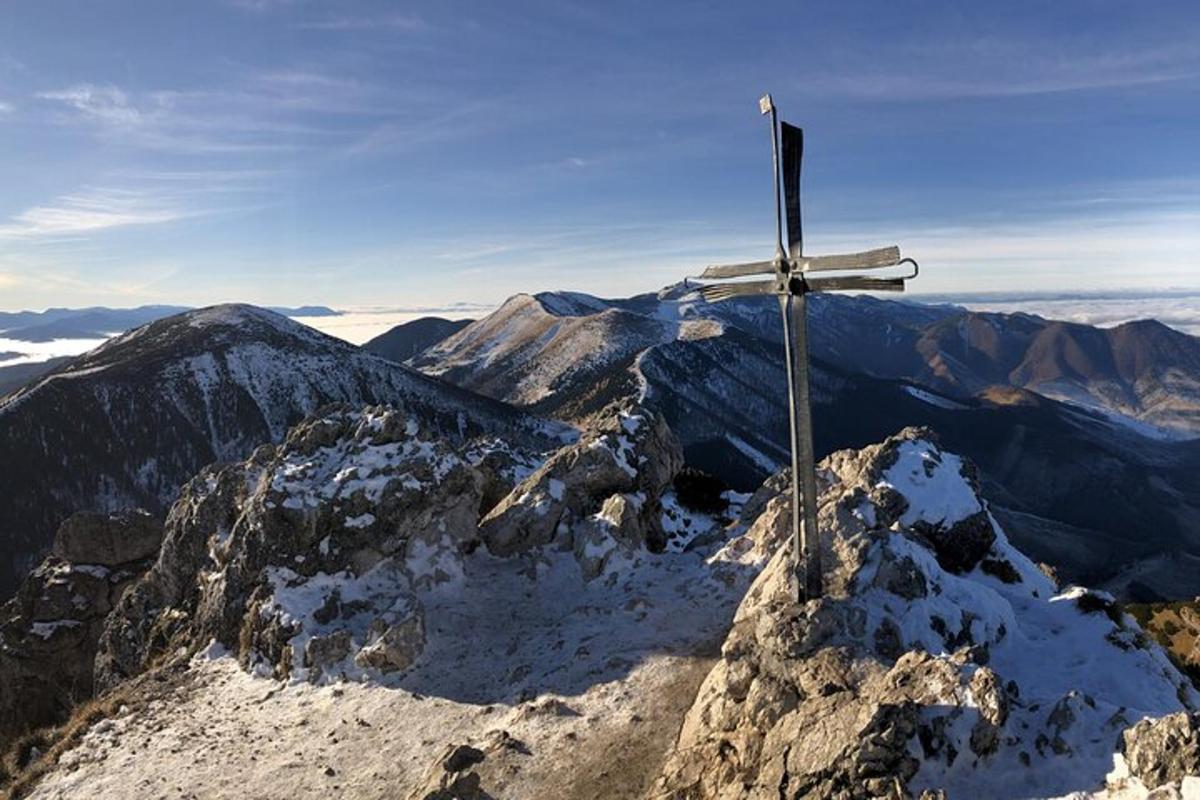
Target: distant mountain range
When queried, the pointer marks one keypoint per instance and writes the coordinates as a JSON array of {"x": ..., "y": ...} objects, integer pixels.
[
  {"x": 1091, "y": 483},
  {"x": 100, "y": 322},
  {"x": 129, "y": 422},
  {"x": 1082, "y": 433}
]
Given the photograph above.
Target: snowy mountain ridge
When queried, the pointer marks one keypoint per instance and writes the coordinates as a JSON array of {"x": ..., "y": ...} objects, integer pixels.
[
  {"x": 127, "y": 423},
  {"x": 1079, "y": 484}
]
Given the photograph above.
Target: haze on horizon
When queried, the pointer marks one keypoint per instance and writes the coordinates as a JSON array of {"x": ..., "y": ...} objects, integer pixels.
[{"x": 288, "y": 152}]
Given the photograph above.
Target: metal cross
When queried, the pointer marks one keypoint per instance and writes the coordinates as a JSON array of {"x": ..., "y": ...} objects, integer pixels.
[{"x": 791, "y": 283}]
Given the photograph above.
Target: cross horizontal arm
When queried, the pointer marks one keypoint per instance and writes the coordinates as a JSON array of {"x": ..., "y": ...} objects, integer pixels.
[
  {"x": 870, "y": 259},
  {"x": 739, "y": 270},
  {"x": 850, "y": 283},
  {"x": 724, "y": 291}
]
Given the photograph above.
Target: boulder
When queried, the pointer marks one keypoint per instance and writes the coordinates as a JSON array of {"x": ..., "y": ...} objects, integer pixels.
[
  {"x": 629, "y": 453},
  {"x": 112, "y": 539},
  {"x": 394, "y": 647},
  {"x": 1163, "y": 751}
]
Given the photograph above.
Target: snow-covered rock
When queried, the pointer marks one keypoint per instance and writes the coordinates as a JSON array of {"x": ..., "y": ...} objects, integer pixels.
[
  {"x": 599, "y": 495},
  {"x": 304, "y": 559},
  {"x": 929, "y": 665},
  {"x": 127, "y": 424},
  {"x": 363, "y": 589},
  {"x": 307, "y": 560},
  {"x": 1160, "y": 752}
]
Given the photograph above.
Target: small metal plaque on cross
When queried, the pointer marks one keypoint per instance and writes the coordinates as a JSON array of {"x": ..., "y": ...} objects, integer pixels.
[{"x": 793, "y": 276}]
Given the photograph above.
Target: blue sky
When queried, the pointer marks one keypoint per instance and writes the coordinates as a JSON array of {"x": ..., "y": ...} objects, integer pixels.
[{"x": 420, "y": 154}]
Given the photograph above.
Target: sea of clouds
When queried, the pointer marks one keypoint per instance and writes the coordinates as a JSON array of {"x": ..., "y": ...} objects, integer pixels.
[{"x": 1178, "y": 308}]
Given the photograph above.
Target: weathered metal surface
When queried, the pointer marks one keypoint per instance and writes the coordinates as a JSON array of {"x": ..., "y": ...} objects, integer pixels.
[
  {"x": 725, "y": 291},
  {"x": 793, "y": 154},
  {"x": 869, "y": 259},
  {"x": 738, "y": 270},
  {"x": 852, "y": 283},
  {"x": 805, "y": 533}
]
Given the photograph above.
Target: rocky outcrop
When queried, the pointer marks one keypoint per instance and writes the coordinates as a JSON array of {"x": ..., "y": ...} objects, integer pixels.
[
  {"x": 598, "y": 496},
  {"x": 1163, "y": 751},
  {"x": 109, "y": 540},
  {"x": 941, "y": 662},
  {"x": 924, "y": 666},
  {"x": 304, "y": 558},
  {"x": 307, "y": 559},
  {"x": 456, "y": 774},
  {"x": 49, "y": 630}
]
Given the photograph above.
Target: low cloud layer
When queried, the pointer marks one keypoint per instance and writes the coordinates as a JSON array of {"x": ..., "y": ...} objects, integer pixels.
[{"x": 1179, "y": 309}]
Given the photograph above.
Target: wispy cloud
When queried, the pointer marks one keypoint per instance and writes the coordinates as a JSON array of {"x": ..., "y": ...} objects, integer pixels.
[
  {"x": 137, "y": 198},
  {"x": 260, "y": 5},
  {"x": 107, "y": 104},
  {"x": 249, "y": 120},
  {"x": 998, "y": 67},
  {"x": 392, "y": 22},
  {"x": 90, "y": 211},
  {"x": 5, "y": 108},
  {"x": 264, "y": 111}
]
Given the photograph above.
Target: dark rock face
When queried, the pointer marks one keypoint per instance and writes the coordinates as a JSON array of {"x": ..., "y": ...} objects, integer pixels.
[
  {"x": 963, "y": 545},
  {"x": 108, "y": 539},
  {"x": 50, "y": 629},
  {"x": 1164, "y": 751},
  {"x": 128, "y": 423}
]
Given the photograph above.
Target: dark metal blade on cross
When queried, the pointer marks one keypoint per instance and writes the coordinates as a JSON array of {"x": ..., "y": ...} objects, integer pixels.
[{"x": 792, "y": 280}]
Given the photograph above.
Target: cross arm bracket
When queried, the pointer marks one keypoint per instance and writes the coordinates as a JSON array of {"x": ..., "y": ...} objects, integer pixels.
[{"x": 868, "y": 259}]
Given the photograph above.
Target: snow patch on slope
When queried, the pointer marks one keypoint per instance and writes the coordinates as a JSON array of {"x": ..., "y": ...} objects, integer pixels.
[{"x": 932, "y": 483}]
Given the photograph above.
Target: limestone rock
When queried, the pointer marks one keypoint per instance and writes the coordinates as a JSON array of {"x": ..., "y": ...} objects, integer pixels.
[
  {"x": 352, "y": 501},
  {"x": 899, "y": 681},
  {"x": 1164, "y": 751},
  {"x": 616, "y": 472},
  {"x": 394, "y": 647}
]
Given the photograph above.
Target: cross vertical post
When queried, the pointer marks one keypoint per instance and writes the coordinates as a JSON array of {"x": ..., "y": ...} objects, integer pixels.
[
  {"x": 805, "y": 537},
  {"x": 791, "y": 283}
]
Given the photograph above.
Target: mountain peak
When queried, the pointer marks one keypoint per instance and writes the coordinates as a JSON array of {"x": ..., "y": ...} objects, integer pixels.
[
  {"x": 231, "y": 314},
  {"x": 210, "y": 328}
]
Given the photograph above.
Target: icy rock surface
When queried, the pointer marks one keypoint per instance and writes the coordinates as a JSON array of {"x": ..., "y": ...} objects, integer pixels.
[{"x": 930, "y": 663}]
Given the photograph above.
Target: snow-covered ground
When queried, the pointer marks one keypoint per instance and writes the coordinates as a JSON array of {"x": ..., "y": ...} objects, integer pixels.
[
  {"x": 580, "y": 688},
  {"x": 592, "y": 679}
]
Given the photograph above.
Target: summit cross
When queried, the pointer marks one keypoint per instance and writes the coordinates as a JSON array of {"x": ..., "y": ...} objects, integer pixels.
[{"x": 792, "y": 279}]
